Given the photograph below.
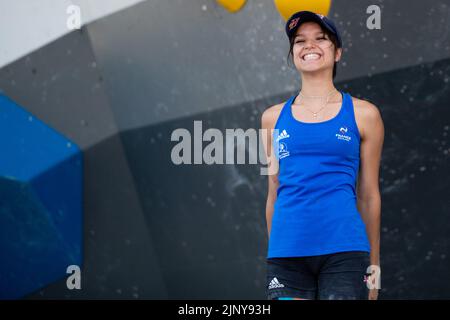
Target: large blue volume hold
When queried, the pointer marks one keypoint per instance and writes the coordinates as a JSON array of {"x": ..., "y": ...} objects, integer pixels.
[{"x": 40, "y": 202}]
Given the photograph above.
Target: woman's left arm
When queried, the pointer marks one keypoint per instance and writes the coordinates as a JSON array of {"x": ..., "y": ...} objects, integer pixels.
[{"x": 368, "y": 191}]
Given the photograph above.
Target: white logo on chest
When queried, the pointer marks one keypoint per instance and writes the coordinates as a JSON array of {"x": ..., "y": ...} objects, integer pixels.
[
  {"x": 282, "y": 147},
  {"x": 342, "y": 135},
  {"x": 283, "y": 135},
  {"x": 282, "y": 150}
]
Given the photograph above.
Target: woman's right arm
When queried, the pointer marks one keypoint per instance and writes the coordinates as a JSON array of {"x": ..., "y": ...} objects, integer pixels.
[
  {"x": 271, "y": 198},
  {"x": 268, "y": 120}
]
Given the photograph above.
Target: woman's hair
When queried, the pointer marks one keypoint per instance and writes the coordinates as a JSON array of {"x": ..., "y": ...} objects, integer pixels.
[{"x": 332, "y": 38}]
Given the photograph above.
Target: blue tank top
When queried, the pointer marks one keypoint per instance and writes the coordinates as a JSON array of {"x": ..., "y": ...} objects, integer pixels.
[{"x": 315, "y": 211}]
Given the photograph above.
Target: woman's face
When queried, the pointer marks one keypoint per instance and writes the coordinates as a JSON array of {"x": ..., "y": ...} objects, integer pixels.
[{"x": 313, "y": 50}]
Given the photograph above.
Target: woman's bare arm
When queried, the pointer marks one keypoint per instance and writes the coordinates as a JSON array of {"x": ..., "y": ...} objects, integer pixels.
[
  {"x": 268, "y": 120},
  {"x": 368, "y": 191}
]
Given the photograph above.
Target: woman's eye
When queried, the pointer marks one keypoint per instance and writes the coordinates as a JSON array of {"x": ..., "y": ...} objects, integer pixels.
[{"x": 299, "y": 41}]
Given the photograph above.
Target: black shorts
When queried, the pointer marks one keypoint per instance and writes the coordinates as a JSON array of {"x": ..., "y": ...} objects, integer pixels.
[{"x": 338, "y": 275}]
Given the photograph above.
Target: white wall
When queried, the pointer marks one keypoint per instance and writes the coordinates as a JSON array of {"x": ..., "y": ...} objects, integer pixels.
[{"x": 26, "y": 25}]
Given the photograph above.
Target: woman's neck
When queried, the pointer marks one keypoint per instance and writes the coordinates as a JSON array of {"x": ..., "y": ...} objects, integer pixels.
[{"x": 316, "y": 84}]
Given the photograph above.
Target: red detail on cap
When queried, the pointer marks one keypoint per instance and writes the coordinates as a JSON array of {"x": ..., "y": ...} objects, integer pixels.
[{"x": 293, "y": 23}]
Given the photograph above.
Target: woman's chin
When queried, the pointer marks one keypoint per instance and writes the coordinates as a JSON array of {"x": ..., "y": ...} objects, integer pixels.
[{"x": 309, "y": 68}]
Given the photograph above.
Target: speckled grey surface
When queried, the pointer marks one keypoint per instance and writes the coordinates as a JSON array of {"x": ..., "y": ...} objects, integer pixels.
[
  {"x": 62, "y": 84},
  {"x": 155, "y": 230},
  {"x": 163, "y": 59}
]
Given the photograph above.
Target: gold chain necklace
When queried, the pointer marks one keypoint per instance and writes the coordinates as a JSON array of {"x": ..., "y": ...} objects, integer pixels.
[{"x": 326, "y": 102}]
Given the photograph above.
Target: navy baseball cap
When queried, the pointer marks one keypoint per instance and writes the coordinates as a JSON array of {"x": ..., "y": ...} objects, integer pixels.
[{"x": 298, "y": 18}]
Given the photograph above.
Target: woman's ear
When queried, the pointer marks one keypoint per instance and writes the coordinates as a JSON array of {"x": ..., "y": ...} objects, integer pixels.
[{"x": 338, "y": 54}]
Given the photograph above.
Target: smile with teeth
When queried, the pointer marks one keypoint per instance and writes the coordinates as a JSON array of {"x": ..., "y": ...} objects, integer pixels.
[{"x": 311, "y": 56}]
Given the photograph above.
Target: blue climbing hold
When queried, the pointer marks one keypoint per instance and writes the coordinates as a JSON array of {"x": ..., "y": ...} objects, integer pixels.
[{"x": 40, "y": 202}]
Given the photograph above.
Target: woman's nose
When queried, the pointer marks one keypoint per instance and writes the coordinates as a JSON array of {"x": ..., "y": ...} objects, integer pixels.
[{"x": 309, "y": 43}]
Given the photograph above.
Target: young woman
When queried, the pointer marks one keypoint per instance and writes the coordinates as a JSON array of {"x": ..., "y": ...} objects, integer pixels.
[{"x": 323, "y": 205}]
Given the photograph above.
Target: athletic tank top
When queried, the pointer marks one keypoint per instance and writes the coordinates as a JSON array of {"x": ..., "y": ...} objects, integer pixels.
[{"x": 315, "y": 211}]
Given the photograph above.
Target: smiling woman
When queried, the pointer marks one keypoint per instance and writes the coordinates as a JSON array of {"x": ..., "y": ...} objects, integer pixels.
[
  {"x": 321, "y": 37},
  {"x": 322, "y": 240}
]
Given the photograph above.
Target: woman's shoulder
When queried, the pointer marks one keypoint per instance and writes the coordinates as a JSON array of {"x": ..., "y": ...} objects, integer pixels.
[
  {"x": 367, "y": 114},
  {"x": 365, "y": 108},
  {"x": 270, "y": 115}
]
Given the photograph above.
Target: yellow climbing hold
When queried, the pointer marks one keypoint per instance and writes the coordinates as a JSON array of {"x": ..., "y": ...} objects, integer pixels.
[
  {"x": 232, "y": 5},
  {"x": 288, "y": 7}
]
